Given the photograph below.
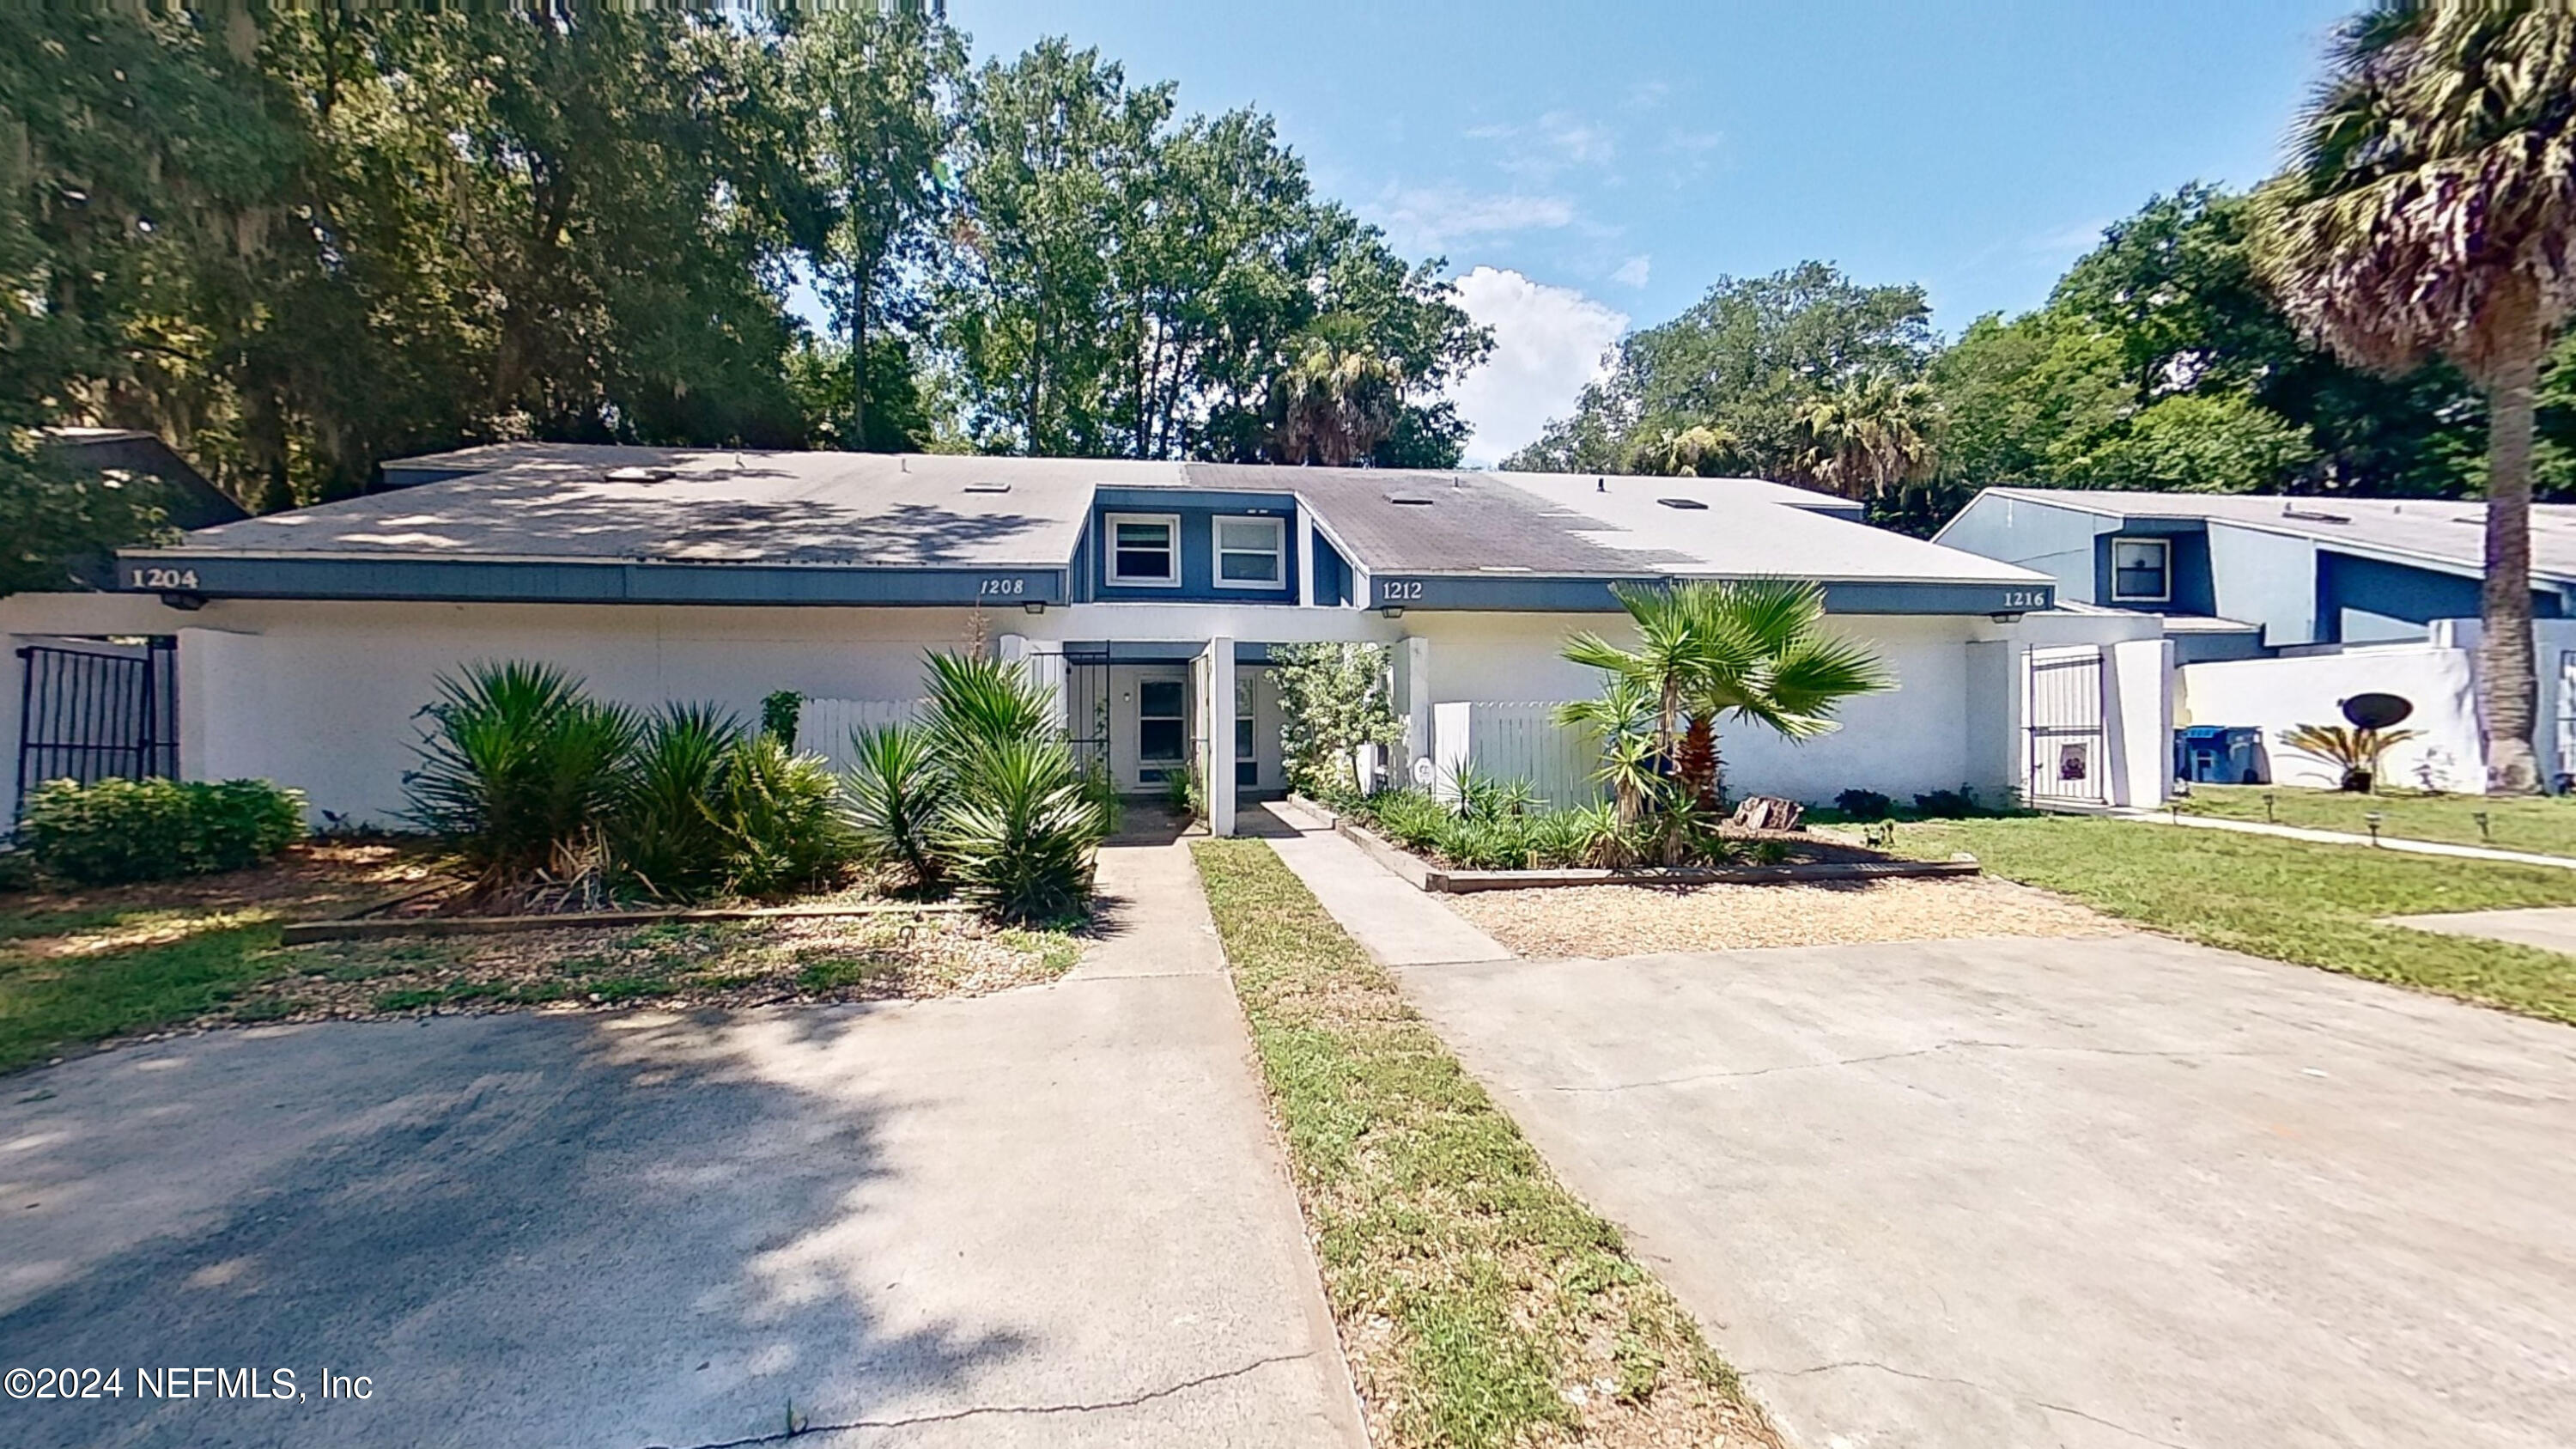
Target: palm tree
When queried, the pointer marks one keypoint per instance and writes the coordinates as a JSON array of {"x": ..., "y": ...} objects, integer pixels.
[
  {"x": 1708, "y": 649},
  {"x": 1334, "y": 405},
  {"x": 1623, "y": 718},
  {"x": 1872, "y": 436},
  {"x": 1682, "y": 452},
  {"x": 2429, "y": 207}
]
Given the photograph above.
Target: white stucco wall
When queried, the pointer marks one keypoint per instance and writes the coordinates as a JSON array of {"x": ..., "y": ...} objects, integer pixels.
[
  {"x": 2273, "y": 695},
  {"x": 324, "y": 697},
  {"x": 1904, "y": 742}
]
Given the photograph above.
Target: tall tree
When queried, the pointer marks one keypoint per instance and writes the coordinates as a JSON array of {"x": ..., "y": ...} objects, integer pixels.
[
  {"x": 2430, "y": 207},
  {"x": 1872, "y": 437},
  {"x": 1747, "y": 359},
  {"x": 870, "y": 83}
]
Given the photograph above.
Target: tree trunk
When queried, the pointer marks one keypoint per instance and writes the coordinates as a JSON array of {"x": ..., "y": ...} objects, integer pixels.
[
  {"x": 1696, "y": 764},
  {"x": 859, "y": 364},
  {"x": 2508, "y": 684}
]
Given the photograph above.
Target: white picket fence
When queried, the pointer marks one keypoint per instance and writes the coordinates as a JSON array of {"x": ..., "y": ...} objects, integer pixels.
[
  {"x": 823, "y": 726},
  {"x": 1517, "y": 741}
]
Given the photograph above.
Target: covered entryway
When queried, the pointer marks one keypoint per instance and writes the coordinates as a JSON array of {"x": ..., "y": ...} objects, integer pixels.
[
  {"x": 1138, "y": 709},
  {"x": 2067, "y": 758}
]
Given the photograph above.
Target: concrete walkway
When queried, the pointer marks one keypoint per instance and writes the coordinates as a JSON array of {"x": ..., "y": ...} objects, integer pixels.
[
  {"x": 2551, "y": 928},
  {"x": 1053, "y": 1216},
  {"x": 2337, "y": 837},
  {"x": 1392, "y": 921},
  {"x": 2066, "y": 1194}
]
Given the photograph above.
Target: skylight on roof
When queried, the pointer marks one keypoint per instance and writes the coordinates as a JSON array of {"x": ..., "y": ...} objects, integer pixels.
[
  {"x": 986, "y": 485},
  {"x": 1681, "y": 503},
  {"x": 1409, "y": 500}
]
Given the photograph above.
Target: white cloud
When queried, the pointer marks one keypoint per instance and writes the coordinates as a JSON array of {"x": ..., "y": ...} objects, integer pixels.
[
  {"x": 1548, "y": 342},
  {"x": 1428, "y": 219},
  {"x": 1634, "y": 271},
  {"x": 1555, "y": 143}
]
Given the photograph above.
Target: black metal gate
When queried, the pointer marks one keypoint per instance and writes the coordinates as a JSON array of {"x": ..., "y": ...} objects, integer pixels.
[
  {"x": 2065, "y": 727},
  {"x": 97, "y": 710}
]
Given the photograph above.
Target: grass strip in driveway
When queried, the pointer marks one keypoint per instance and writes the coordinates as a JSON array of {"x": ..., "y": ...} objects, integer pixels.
[
  {"x": 2290, "y": 900},
  {"x": 1480, "y": 1304}
]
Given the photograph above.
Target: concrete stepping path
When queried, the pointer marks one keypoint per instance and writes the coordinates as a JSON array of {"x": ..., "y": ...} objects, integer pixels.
[{"x": 1392, "y": 921}]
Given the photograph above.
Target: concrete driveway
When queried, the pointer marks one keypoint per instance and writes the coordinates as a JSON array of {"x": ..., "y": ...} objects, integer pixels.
[
  {"x": 1053, "y": 1216},
  {"x": 2099, "y": 1192}
]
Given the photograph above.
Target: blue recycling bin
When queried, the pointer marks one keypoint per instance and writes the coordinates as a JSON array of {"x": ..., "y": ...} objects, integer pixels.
[{"x": 2218, "y": 755}]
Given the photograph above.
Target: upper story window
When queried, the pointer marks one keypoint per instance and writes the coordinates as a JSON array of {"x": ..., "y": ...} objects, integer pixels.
[
  {"x": 1144, "y": 548},
  {"x": 2141, "y": 570},
  {"x": 1251, "y": 553}
]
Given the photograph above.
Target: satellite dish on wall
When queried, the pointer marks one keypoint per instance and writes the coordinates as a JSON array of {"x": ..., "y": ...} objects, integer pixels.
[{"x": 2377, "y": 711}]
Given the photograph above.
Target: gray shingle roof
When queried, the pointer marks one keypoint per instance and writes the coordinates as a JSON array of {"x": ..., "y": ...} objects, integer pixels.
[
  {"x": 2446, "y": 532},
  {"x": 580, "y": 503}
]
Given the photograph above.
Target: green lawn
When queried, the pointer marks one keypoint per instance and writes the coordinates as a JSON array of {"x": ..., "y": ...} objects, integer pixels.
[
  {"x": 2315, "y": 905},
  {"x": 1480, "y": 1303},
  {"x": 2542, "y": 825}
]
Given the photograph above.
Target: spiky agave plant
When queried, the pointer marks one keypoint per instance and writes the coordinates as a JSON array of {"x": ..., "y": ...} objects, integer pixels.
[
  {"x": 521, "y": 772},
  {"x": 1020, "y": 834},
  {"x": 895, "y": 788},
  {"x": 666, "y": 840}
]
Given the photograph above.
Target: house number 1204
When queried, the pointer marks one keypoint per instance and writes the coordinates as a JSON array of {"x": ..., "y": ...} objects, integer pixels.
[{"x": 164, "y": 578}]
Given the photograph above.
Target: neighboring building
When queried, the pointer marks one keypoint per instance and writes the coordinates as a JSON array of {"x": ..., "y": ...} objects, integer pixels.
[
  {"x": 119, "y": 454},
  {"x": 2238, "y": 576},
  {"x": 2281, "y": 608},
  {"x": 1147, "y": 594}
]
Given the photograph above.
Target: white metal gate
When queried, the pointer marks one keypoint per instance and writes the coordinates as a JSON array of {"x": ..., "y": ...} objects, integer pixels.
[
  {"x": 2065, "y": 727},
  {"x": 2566, "y": 770}
]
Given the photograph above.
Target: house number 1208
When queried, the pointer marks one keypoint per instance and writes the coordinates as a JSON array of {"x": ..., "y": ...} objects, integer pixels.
[{"x": 994, "y": 587}]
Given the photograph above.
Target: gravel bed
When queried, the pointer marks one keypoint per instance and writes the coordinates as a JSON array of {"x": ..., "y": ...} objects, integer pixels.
[
  {"x": 1596, "y": 922},
  {"x": 728, "y": 964}
]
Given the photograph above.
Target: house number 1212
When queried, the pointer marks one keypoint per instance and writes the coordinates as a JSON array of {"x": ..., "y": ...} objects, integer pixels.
[{"x": 1400, "y": 589}]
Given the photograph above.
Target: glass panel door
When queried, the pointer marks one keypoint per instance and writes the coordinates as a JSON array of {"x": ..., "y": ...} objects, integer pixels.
[{"x": 1162, "y": 728}]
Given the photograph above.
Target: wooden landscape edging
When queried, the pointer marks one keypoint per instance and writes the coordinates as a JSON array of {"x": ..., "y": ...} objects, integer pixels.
[
  {"x": 301, "y": 933},
  {"x": 1439, "y": 880}
]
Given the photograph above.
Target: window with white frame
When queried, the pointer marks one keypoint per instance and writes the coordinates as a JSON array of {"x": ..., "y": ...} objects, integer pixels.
[
  {"x": 2141, "y": 570},
  {"x": 1144, "y": 548},
  {"x": 1251, "y": 553}
]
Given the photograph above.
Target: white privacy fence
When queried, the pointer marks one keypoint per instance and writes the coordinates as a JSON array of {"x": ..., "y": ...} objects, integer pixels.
[
  {"x": 1517, "y": 741},
  {"x": 824, "y": 726}
]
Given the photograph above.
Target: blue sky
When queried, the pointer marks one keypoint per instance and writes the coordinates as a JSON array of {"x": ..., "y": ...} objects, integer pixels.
[{"x": 1591, "y": 168}]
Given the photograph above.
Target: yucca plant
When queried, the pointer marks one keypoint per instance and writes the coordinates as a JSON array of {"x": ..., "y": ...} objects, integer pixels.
[
  {"x": 1020, "y": 834},
  {"x": 522, "y": 773},
  {"x": 667, "y": 839},
  {"x": 978, "y": 704},
  {"x": 894, "y": 788},
  {"x": 2354, "y": 752},
  {"x": 779, "y": 811}
]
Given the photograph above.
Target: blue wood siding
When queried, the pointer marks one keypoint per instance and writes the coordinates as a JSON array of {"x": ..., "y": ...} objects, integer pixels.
[{"x": 1197, "y": 513}]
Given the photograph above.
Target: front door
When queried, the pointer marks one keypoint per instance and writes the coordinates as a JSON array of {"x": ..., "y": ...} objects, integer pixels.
[{"x": 1162, "y": 726}]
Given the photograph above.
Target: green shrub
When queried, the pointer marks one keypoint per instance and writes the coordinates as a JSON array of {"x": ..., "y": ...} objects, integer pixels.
[
  {"x": 1864, "y": 805},
  {"x": 779, "y": 711},
  {"x": 894, "y": 789},
  {"x": 522, "y": 773},
  {"x": 134, "y": 830},
  {"x": 780, "y": 815},
  {"x": 1020, "y": 836}
]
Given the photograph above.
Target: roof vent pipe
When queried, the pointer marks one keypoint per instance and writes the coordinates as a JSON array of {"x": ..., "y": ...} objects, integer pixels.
[{"x": 1600, "y": 485}]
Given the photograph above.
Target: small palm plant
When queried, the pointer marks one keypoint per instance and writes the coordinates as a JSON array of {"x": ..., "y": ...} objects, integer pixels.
[
  {"x": 1022, "y": 835},
  {"x": 667, "y": 840},
  {"x": 895, "y": 788},
  {"x": 523, "y": 775},
  {"x": 1757, "y": 649},
  {"x": 2353, "y": 751}
]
